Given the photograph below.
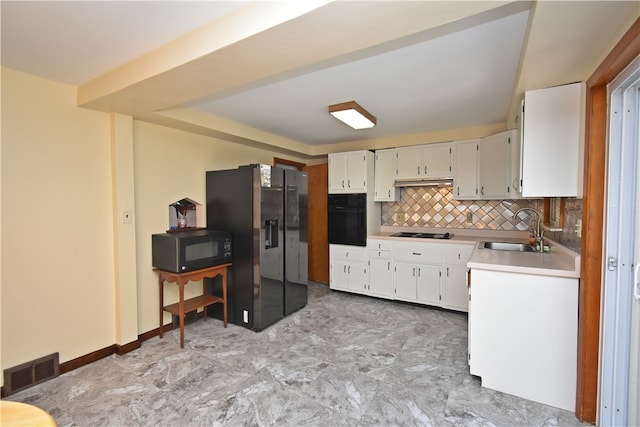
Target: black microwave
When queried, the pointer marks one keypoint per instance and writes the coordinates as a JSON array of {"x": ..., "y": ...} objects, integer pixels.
[{"x": 183, "y": 251}]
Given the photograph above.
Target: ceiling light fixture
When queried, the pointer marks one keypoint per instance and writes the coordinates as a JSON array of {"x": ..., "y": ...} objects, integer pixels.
[{"x": 352, "y": 114}]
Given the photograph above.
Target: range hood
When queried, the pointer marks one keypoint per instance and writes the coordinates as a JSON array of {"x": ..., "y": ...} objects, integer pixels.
[{"x": 424, "y": 182}]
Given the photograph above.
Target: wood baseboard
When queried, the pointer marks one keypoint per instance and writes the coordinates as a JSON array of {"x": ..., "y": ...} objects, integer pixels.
[
  {"x": 126, "y": 348},
  {"x": 118, "y": 349},
  {"x": 78, "y": 362}
]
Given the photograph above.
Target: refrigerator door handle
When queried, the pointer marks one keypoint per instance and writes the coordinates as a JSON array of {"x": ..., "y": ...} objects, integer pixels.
[{"x": 271, "y": 233}]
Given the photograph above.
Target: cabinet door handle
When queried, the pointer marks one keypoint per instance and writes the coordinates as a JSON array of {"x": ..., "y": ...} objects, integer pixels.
[
  {"x": 417, "y": 253},
  {"x": 414, "y": 272},
  {"x": 482, "y": 190},
  {"x": 345, "y": 268},
  {"x": 458, "y": 190},
  {"x": 418, "y": 170},
  {"x": 349, "y": 270},
  {"x": 418, "y": 271},
  {"x": 458, "y": 256},
  {"x": 388, "y": 193},
  {"x": 425, "y": 169},
  {"x": 389, "y": 265},
  {"x": 343, "y": 183},
  {"x": 447, "y": 271}
]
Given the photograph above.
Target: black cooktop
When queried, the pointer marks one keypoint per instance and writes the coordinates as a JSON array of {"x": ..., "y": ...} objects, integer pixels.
[{"x": 423, "y": 235}]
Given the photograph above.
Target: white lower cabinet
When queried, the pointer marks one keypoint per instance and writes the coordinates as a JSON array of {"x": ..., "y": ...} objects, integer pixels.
[
  {"x": 404, "y": 281},
  {"x": 348, "y": 268},
  {"x": 455, "y": 293},
  {"x": 432, "y": 273},
  {"x": 523, "y": 332},
  {"x": 417, "y": 271},
  {"x": 428, "y": 284},
  {"x": 380, "y": 272}
]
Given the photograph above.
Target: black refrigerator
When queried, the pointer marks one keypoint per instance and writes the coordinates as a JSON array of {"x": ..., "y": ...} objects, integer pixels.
[{"x": 265, "y": 209}]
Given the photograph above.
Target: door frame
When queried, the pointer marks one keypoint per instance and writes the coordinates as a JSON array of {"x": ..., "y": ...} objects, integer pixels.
[{"x": 593, "y": 220}]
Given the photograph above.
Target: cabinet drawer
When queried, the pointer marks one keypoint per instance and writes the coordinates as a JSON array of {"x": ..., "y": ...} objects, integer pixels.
[
  {"x": 374, "y": 253},
  {"x": 457, "y": 254},
  {"x": 354, "y": 253},
  {"x": 418, "y": 252},
  {"x": 383, "y": 245}
]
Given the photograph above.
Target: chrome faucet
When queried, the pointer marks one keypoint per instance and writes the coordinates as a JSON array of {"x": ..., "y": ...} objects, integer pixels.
[{"x": 539, "y": 232}]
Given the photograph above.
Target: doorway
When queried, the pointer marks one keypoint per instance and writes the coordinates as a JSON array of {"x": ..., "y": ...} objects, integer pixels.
[
  {"x": 620, "y": 358},
  {"x": 318, "y": 257}
]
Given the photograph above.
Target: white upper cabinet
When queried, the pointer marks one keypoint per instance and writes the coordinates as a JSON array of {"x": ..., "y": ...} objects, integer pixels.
[
  {"x": 437, "y": 161},
  {"x": 465, "y": 179},
  {"x": 483, "y": 167},
  {"x": 350, "y": 172},
  {"x": 385, "y": 173},
  {"x": 424, "y": 161},
  {"x": 553, "y": 141},
  {"x": 494, "y": 161}
]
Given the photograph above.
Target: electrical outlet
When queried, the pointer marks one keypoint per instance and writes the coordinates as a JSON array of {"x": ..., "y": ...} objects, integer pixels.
[
  {"x": 400, "y": 217},
  {"x": 469, "y": 217},
  {"x": 579, "y": 228},
  {"x": 245, "y": 316}
]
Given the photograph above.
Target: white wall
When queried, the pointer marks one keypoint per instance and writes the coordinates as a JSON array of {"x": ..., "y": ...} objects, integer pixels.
[{"x": 57, "y": 233}]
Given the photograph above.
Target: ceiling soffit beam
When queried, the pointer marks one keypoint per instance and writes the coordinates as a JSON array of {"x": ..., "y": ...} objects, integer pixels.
[
  {"x": 561, "y": 46},
  {"x": 214, "y": 63}
]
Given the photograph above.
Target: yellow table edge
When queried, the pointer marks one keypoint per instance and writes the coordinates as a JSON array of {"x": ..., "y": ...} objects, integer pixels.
[{"x": 17, "y": 414}]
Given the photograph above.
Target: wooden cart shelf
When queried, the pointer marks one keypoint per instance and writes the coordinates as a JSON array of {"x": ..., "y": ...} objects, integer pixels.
[
  {"x": 193, "y": 304},
  {"x": 184, "y": 306}
]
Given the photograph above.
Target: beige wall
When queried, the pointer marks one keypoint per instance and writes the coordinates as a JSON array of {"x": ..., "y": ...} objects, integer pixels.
[
  {"x": 64, "y": 184},
  {"x": 57, "y": 232}
]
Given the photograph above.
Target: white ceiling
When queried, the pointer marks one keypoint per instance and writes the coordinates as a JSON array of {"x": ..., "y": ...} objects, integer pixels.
[
  {"x": 75, "y": 41},
  {"x": 418, "y": 66},
  {"x": 456, "y": 80}
]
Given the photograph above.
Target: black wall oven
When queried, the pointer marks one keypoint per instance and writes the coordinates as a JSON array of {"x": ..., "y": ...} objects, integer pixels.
[{"x": 348, "y": 219}]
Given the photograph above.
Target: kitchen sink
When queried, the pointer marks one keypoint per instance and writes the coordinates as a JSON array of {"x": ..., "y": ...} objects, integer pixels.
[{"x": 505, "y": 246}]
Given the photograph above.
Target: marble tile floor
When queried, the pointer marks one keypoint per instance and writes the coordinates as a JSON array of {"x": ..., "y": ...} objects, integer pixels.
[{"x": 343, "y": 360}]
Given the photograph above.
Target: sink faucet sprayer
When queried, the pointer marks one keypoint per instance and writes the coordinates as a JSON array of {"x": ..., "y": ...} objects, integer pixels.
[{"x": 539, "y": 232}]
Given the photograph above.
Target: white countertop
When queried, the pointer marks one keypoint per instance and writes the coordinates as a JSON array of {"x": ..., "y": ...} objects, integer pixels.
[{"x": 560, "y": 262}]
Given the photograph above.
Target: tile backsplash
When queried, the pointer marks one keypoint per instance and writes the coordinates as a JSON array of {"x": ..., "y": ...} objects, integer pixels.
[{"x": 435, "y": 207}]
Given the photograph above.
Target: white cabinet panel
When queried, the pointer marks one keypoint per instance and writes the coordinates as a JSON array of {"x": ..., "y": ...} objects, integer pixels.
[
  {"x": 385, "y": 173},
  {"x": 553, "y": 141},
  {"x": 424, "y": 161},
  {"x": 523, "y": 335},
  {"x": 348, "y": 268},
  {"x": 465, "y": 178},
  {"x": 437, "y": 160},
  {"x": 405, "y": 281},
  {"x": 418, "y": 252},
  {"x": 380, "y": 277},
  {"x": 428, "y": 284},
  {"x": 409, "y": 162},
  {"x": 455, "y": 294},
  {"x": 493, "y": 160},
  {"x": 380, "y": 268},
  {"x": 350, "y": 172}
]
